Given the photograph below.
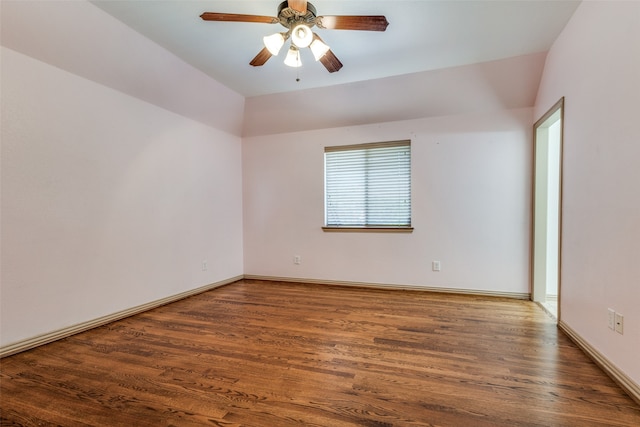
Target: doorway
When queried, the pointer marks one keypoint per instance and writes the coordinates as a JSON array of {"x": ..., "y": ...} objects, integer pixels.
[{"x": 547, "y": 209}]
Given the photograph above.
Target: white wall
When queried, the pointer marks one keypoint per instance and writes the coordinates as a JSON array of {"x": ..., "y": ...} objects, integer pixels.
[
  {"x": 470, "y": 202},
  {"x": 595, "y": 64},
  {"x": 108, "y": 201},
  {"x": 553, "y": 199},
  {"x": 540, "y": 266}
]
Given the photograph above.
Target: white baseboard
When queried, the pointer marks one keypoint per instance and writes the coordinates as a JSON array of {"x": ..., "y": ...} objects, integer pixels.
[
  {"x": 515, "y": 295},
  {"x": 39, "y": 340},
  {"x": 626, "y": 383}
]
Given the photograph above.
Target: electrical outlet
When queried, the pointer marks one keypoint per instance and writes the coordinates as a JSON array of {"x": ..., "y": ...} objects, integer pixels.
[
  {"x": 297, "y": 259},
  {"x": 612, "y": 319},
  {"x": 619, "y": 323},
  {"x": 204, "y": 265},
  {"x": 435, "y": 265}
]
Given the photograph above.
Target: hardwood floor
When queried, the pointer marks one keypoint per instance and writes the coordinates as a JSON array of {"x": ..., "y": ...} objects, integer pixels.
[{"x": 277, "y": 354}]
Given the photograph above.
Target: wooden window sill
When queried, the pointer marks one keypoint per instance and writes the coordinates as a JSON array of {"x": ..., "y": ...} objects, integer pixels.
[{"x": 369, "y": 229}]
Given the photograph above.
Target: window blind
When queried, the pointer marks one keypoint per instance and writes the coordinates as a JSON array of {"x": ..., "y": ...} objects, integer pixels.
[{"x": 368, "y": 185}]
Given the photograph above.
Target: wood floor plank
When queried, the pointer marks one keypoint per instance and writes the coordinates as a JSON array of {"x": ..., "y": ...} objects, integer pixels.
[{"x": 257, "y": 353}]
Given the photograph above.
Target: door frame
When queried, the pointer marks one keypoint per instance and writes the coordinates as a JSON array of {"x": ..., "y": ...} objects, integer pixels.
[{"x": 558, "y": 106}]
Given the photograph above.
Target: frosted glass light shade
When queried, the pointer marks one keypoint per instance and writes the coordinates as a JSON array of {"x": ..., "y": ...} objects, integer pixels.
[
  {"x": 301, "y": 35},
  {"x": 318, "y": 48},
  {"x": 273, "y": 43},
  {"x": 293, "y": 57}
]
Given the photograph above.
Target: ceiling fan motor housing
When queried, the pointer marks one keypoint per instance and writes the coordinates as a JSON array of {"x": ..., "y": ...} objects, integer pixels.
[{"x": 289, "y": 17}]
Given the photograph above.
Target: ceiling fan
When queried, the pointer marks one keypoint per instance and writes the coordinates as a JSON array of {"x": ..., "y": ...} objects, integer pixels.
[{"x": 299, "y": 16}]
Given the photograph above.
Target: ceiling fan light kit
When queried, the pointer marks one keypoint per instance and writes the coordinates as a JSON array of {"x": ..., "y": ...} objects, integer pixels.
[
  {"x": 318, "y": 48},
  {"x": 299, "y": 16},
  {"x": 301, "y": 35},
  {"x": 293, "y": 57},
  {"x": 274, "y": 42}
]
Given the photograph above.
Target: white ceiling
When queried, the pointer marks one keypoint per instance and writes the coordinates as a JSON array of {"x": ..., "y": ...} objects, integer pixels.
[{"x": 422, "y": 36}]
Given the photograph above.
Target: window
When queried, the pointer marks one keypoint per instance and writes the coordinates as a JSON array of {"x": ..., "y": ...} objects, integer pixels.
[{"x": 368, "y": 186}]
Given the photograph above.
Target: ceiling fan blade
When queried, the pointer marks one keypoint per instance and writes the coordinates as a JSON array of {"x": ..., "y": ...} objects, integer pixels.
[
  {"x": 235, "y": 17},
  {"x": 298, "y": 5},
  {"x": 331, "y": 62},
  {"x": 353, "y": 22},
  {"x": 262, "y": 57}
]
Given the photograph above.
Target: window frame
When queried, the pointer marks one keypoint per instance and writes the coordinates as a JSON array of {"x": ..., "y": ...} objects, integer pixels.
[{"x": 367, "y": 228}]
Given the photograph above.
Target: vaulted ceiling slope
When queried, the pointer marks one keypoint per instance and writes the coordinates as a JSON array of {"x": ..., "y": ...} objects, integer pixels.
[
  {"x": 436, "y": 57},
  {"x": 77, "y": 37},
  {"x": 422, "y": 35},
  {"x": 488, "y": 86}
]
